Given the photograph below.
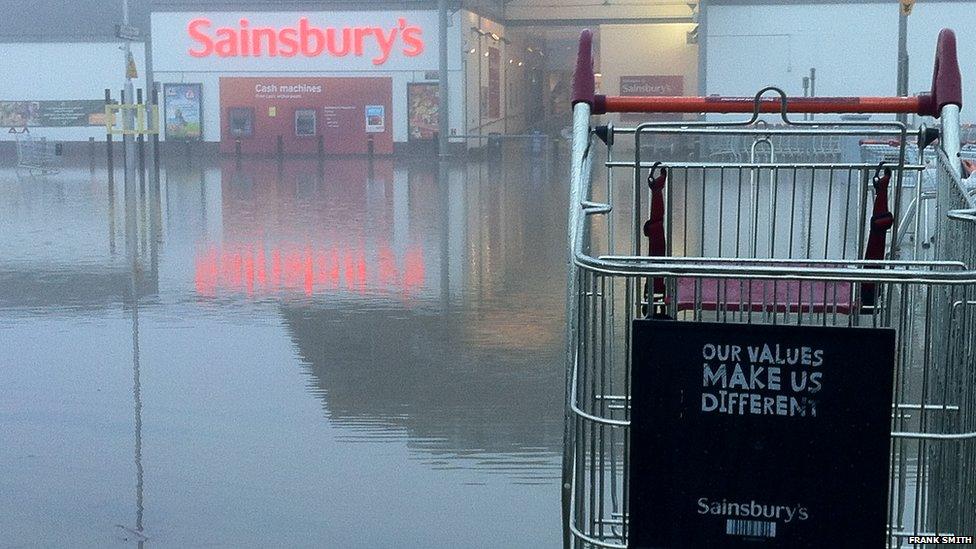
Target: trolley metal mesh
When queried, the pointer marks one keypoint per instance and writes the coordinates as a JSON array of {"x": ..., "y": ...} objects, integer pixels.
[
  {"x": 753, "y": 239},
  {"x": 36, "y": 154}
]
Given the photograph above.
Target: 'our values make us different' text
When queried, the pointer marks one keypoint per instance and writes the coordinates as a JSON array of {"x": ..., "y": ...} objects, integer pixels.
[{"x": 765, "y": 379}]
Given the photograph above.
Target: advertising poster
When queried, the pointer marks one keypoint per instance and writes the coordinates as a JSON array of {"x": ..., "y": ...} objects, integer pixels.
[
  {"x": 375, "y": 118},
  {"x": 183, "y": 112},
  {"x": 759, "y": 436},
  {"x": 52, "y": 114},
  {"x": 423, "y": 102}
]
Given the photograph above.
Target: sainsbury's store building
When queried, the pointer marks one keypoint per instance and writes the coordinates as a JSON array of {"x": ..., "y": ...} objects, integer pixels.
[{"x": 339, "y": 82}]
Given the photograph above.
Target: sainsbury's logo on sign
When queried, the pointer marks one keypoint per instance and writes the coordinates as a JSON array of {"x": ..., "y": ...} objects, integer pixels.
[{"x": 304, "y": 39}]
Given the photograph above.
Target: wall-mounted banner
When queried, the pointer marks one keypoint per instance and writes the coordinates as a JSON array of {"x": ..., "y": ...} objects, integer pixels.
[
  {"x": 52, "y": 114},
  {"x": 295, "y": 41},
  {"x": 183, "y": 111},
  {"x": 759, "y": 435},
  {"x": 375, "y": 119}
]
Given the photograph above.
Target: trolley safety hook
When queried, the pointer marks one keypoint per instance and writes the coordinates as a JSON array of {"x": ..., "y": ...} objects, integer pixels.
[
  {"x": 881, "y": 222},
  {"x": 654, "y": 231}
]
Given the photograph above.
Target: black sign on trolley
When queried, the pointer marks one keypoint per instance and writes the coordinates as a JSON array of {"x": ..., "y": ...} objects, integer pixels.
[{"x": 759, "y": 435}]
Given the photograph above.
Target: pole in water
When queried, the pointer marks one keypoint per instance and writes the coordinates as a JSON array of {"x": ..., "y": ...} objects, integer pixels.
[
  {"x": 813, "y": 87},
  {"x": 125, "y": 138},
  {"x": 108, "y": 147},
  {"x": 443, "y": 109},
  {"x": 806, "y": 93},
  {"x": 141, "y": 143},
  {"x": 155, "y": 138}
]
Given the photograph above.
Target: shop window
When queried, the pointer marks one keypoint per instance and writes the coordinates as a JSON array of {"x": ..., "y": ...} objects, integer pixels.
[
  {"x": 305, "y": 122},
  {"x": 241, "y": 121}
]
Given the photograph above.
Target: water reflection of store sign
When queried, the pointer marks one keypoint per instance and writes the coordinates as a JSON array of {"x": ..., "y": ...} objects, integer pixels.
[
  {"x": 303, "y": 39},
  {"x": 253, "y": 270}
]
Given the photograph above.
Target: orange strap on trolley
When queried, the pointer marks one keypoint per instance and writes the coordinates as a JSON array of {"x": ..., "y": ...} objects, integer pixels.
[{"x": 946, "y": 90}]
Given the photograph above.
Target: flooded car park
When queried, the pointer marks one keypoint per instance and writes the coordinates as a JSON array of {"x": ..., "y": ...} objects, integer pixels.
[{"x": 367, "y": 345}]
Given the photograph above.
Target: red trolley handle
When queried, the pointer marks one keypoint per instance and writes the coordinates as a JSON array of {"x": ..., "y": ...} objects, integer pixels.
[{"x": 946, "y": 90}]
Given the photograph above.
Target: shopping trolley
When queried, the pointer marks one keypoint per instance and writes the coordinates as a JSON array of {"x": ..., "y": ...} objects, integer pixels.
[
  {"x": 37, "y": 155},
  {"x": 733, "y": 238}
]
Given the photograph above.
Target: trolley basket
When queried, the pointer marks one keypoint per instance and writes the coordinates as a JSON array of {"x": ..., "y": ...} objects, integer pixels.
[{"x": 758, "y": 220}]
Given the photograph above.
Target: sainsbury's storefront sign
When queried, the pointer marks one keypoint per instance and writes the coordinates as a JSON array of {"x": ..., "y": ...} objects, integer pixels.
[
  {"x": 403, "y": 40},
  {"x": 303, "y": 39}
]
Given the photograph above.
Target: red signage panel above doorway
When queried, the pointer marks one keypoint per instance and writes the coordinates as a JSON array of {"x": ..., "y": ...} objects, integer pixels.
[
  {"x": 295, "y": 41},
  {"x": 257, "y": 110}
]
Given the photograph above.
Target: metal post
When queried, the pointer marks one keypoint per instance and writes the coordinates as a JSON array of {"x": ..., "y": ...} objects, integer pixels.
[
  {"x": 141, "y": 142},
  {"x": 443, "y": 110},
  {"x": 702, "y": 14},
  {"x": 155, "y": 137},
  {"x": 813, "y": 86},
  {"x": 806, "y": 92},
  {"x": 481, "y": 114},
  {"x": 902, "y": 59},
  {"x": 125, "y": 144},
  {"x": 127, "y": 99},
  {"x": 108, "y": 147}
]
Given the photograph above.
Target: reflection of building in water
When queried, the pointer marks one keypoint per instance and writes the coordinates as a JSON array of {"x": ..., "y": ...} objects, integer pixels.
[
  {"x": 421, "y": 297},
  {"x": 331, "y": 229},
  {"x": 381, "y": 371}
]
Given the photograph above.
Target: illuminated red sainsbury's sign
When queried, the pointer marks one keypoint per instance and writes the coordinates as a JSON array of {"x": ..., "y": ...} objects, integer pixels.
[{"x": 303, "y": 39}]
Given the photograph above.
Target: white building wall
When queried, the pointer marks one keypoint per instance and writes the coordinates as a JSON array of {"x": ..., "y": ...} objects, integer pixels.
[
  {"x": 46, "y": 71},
  {"x": 852, "y": 47}
]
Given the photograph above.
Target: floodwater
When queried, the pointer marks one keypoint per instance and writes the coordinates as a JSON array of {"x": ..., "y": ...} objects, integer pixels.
[{"x": 335, "y": 354}]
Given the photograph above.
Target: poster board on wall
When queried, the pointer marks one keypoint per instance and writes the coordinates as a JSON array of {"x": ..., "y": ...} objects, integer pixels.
[
  {"x": 423, "y": 103},
  {"x": 375, "y": 118},
  {"x": 183, "y": 112},
  {"x": 52, "y": 114}
]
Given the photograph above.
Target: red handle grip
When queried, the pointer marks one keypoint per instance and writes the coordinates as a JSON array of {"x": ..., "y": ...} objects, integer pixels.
[
  {"x": 584, "y": 81},
  {"x": 946, "y": 80}
]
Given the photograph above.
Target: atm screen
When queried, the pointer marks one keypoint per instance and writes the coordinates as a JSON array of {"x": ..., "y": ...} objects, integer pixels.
[
  {"x": 305, "y": 122},
  {"x": 241, "y": 121}
]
